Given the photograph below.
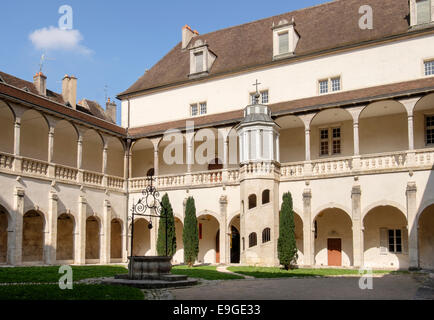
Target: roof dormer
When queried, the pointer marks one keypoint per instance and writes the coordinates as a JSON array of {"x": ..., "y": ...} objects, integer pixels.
[
  {"x": 201, "y": 59},
  {"x": 421, "y": 12},
  {"x": 285, "y": 39}
]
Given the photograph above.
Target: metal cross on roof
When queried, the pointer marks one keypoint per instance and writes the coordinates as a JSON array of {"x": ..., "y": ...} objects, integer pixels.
[
  {"x": 257, "y": 94},
  {"x": 256, "y": 84}
]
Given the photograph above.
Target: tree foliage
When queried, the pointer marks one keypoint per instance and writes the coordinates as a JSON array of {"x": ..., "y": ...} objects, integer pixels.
[
  {"x": 190, "y": 235},
  {"x": 167, "y": 211},
  {"x": 286, "y": 245}
]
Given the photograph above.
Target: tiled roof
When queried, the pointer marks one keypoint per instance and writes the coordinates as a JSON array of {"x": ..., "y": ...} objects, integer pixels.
[{"x": 324, "y": 27}]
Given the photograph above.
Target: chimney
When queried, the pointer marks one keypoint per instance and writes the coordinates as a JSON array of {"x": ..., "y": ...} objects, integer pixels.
[
  {"x": 110, "y": 110},
  {"x": 40, "y": 82},
  {"x": 187, "y": 35},
  {"x": 69, "y": 90}
]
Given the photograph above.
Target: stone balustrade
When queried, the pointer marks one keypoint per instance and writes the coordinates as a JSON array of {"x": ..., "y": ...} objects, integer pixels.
[
  {"x": 66, "y": 173},
  {"x": 383, "y": 161},
  {"x": 93, "y": 178},
  {"x": 331, "y": 166},
  {"x": 115, "y": 182},
  {"x": 34, "y": 167},
  {"x": 424, "y": 157},
  {"x": 6, "y": 161},
  {"x": 292, "y": 170}
]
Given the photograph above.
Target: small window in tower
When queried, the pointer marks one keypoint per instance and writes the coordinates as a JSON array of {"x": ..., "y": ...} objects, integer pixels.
[
  {"x": 252, "y": 201},
  {"x": 283, "y": 42},
  {"x": 253, "y": 240},
  {"x": 266, "y": 196},
  {"x": 266, "y": 235}
]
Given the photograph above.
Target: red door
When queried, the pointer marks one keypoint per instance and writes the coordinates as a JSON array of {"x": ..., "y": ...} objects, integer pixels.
[{"x": 334, "y": 247}]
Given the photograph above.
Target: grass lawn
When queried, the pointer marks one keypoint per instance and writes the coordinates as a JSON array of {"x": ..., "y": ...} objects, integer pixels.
[
  {"x": 203, "y": 272},
  {"x": 51, "y": 274},
  {"x": 273, "y": 272},
  {"x": 79, "y": 292}
]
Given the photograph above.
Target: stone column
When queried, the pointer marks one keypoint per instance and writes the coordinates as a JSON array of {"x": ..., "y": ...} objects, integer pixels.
[
  {"x": 106, "y": 233},
  {"x": 246, "y": 145},
  {"x": 156, "y": 163},
  {"x": 51, "y": 168},
  {"x": 358, "y": 240},
  {"x": 225, "y": 153},
  {"x": 80, "y": 233},
  {"x": 413, "y": 248},
  {"x": 409, "y": 105},
  {"x": 355, "y": 113},
  {"x": 223, "y": 230},
  {"x": 17, "y": 145},
  {"x": 80, "y": 159},
  {"x": 126, "y": 165},
  {"x": 410, "y": 133},
  {"x": 15, "y": 238},
  {"x": 104, "y": 165},
  {"x": 51, "y": 235},
  {"x": 277, "y": 146},
  {"x": 308, "y": 238},
  {"x": 356, "y": 138},
  {"x": 190, "y": 155}
]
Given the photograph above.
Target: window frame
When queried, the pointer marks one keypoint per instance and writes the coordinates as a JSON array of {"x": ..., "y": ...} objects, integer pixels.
[
  {"x": 426, "y": 128},
  {"x": 253, "y": 236},
  {"x": 329, "y": 81},
  {"x": 330, "y": 141},
  {"x": 395, "y": 242},
  {"x": 192, "y": 105},
  {"x": 424, "y": 62},
  {"x": 417, "y": 14},
  {"x": 196, "y": 55},
  {"x": 266, "y": 235},
  {"x": 281, "y": 33},
  {"x": 201, "y": 104},
  {"x": 256, "y": 201}
]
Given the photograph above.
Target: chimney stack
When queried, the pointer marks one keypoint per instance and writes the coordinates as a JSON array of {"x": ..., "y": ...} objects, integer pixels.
[
  {"x": 69, "y": 90},
  {"x": 187, "y": 35},
  {"x": 110, "y": 110},
  {"x": 40, "y": 82}
]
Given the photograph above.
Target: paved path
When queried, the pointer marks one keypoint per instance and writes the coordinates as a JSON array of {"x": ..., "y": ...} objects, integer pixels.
[
  {"x": 396, "y": 287},
  {"x": 224, "y": 269}
]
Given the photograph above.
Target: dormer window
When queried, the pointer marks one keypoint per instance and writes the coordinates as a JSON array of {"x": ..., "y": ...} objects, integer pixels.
[
  {"x": 201, "y": 59},
  {"x": 285, "y": 39},
  {"x": 421, "y": 11}
]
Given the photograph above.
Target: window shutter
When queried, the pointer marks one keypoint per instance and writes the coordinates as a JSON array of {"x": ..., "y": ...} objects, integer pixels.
[
  {"x": 199, "y": 62},
  {"x": 423, "y": 11},
  {"x": 283, "y": 43},
  {"x": 404, "y": 234},
  {"x": 384, "y": 241}
]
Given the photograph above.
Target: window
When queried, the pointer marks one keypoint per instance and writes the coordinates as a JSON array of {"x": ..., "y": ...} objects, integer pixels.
[
  {"x": 193, "y": 110},
  {"x": 199, "y": 61},
  {"x": 266, "y": 197},
  {"x": 329, "y": 85},
  {"x": 203, "y": 109},
  {"x": 253, "y": 240},
  {"x": 264, "y": 95},
  {"x": 330, "y": 137},
  {"x": 266, "y": 235},
  {"x": 283, "y": 42},
  {"x": 429, "y": 68},
  {"x": 252, "y": 201},
  {"x": 395, "y": 241},
  {"x": 423, "y": 11},
  {"x": 429, "y": 130}
]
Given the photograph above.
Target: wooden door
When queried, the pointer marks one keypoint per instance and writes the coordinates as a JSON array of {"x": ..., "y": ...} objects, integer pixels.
[
  {"x": 334, "y": 247},
  {"x": 217, "y": 247}
]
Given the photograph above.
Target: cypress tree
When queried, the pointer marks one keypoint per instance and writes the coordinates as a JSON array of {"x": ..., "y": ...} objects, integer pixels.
[
  {"x": 167, "y": 211},
  {"x": 286, "y": 244},
  {"x": 190, "y": 235}
]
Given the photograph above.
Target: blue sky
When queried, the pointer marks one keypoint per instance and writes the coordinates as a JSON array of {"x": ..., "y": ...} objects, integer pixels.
[{"x": 120, "y": 39}]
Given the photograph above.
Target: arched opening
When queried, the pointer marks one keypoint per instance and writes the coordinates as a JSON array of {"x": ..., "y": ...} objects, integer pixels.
[
  {"x": 265, "y": 196},
  {"x": 208, "y": 251},
  {"x": 217, "y": 247},
  {"x": 7, "y": 120},
  {"x": 331, "y": 134},
  {"x": 142, "y": 158},
  {"x": 172, "y": 155},
  {"x": 424, "y": 122},
  {"x": 33, "y": 237},
  {"x": 385, "y": 119},
  {"x": 266, "y": 235},
  {"x": 235, "y": 240},
  {"x": 385, "y": 238},
  {"x": 92, "y": 151},
  {"x": 65, "y": 238},
  {"x": 252, "y": 201},
  {"x": 426, "y": 238},
  {"x": 93, "y": 245},
  {"x": 65, "y": 144},
  {"x": 142, "y": 238},
  {"x": 292, "y": 139},
  {"x": 253, "y": 240},
  {"x": 115, "y": 240},
  {"x": 4, "y": 223},
  {"x": 34, "y": 136},
  {"x": 115, "y": 157},
  {"x": 298, "y": 222},
  {"x": 208, "y": 150},
  {"x": 178, "y": 257},
  {"x": 334, "y": 240}
]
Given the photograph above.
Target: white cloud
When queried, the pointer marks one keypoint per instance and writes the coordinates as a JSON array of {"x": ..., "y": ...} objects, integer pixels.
[{"x": 58, "y": 39}]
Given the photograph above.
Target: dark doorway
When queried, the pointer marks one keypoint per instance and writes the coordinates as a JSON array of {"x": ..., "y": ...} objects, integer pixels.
[
  {"x": 217, "y": 247},
  {"x": 235, "y": 245},
  {"x": 334, "y": 247}
]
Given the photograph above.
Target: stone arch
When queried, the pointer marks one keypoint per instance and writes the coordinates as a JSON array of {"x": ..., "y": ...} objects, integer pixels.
[
  {"x": 116, "y": 227},
  {"x": 331, "y": 205},
  {"x": 142, "y": 237},
  {"x": 93, "y": 145},
  {"x": 393, "y": 132},
  {"x": 425, "y": 225},
  {"x": 115, "y": 156},
  {"x": 178, "y": 257},
  {"x": 385, "y": 230},
  {"x": 292, "y": 137},
  {"x": 93, "y": 238},
  {"x": 7, "y": 121},
  {"x": 209, "y": 224},
  {"x": 235, "y": 238},
  {"x": 34, "y": 225},
  {"x": 142, "y": 160},
  {"x": 34, "y": 135},
  {"x": 66, "y": 225},
  {"x": 384, "y": 203},
  {"x": 65, "y": 143},
  {"x": 174, "y": 159},
  {"x": 333, "y": 223},
  {"x": 203, "y": 156}
]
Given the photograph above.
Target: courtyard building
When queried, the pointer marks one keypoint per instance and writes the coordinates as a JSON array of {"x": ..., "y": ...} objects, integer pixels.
[{"x": 340, "y": 114}]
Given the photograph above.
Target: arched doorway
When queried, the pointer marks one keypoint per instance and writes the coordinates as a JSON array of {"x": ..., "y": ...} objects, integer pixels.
[
  {"x": 426, "y": 238},
  {"x": 333, "y": 238},
  {"x": 93, "y": 228},
  {"x": 142, "y": 238},
  {"x": 115, "y": 240},
  {"x": 3, "y": 235},
  {"x": 217, "y": 247},
  {"x": 33, "y": 237},
  {"x": 65, "y": 238},
  {"x": 235, "y": 245},
  {"x": 208, "y": 228},
  {"x": 385, "y": 238}
]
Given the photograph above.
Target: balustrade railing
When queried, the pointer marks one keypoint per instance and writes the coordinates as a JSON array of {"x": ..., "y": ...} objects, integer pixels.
[
  {"x": 424, "y": 157},
  {"x": 34, "y": 167},
  {"x": 115, "y": 182},
  {"x": 383, "y": 161},
  {"x": 66, "y": 173},
  {"x": 6, "y": 161},
  {"x": 331, "y": 166},
  {"x": 93, "y": 178}
]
